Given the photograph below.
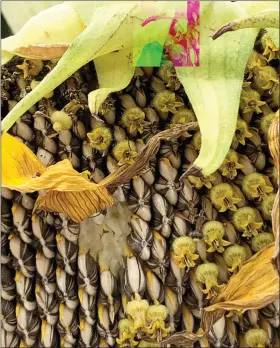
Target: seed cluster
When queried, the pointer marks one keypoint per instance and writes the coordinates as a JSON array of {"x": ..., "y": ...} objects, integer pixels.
[{"x": 186, "y": 238}]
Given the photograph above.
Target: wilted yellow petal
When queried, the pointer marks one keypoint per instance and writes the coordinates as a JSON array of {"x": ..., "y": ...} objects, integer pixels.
[
  {"x": 61, "y": 188},
  {"x": 254, "y": 286},
  {"x": 19, "y": 163},
  {"x": 114, "y": 71},
  {"x": 78, "y": 205}
]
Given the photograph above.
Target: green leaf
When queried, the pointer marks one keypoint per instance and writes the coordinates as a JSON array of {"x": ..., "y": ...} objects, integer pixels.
[
  {"x": 214, "y": 87},
  {"x": 45, "y": 28},
  {"x": 114, "y": 71},
  {"x": 109, "y": 31}
]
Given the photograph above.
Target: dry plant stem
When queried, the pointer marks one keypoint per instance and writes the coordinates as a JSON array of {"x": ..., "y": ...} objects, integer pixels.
[
  {"x": 273, "y": 143},
  {"x": 127, "y": 171},
  {"x": 269, "y": 19}
]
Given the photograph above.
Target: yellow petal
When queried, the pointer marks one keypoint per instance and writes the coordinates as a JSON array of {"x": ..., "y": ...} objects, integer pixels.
[
  {"x": 254, "y": 286},
  {"x": 77, "y": 205},
  {"x": 19, "y": 163},
  {"x": 62, "y": 189}
]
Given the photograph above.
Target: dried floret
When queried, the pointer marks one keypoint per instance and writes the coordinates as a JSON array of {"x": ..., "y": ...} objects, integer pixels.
[
  {"x": 213, "y": 232},
  {"x": 184, "y": 249},
  {"x": 125, "y": 152},
  {"x": 100, "y": 138}
]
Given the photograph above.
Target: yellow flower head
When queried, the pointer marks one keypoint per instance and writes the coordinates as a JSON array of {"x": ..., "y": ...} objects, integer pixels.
[
  {"x": 199, "y": 182},
  {"x": 256, "y": 338},
  {"x": 242, "y": 132},
  {"x": 262, "y": 240},
  {"x": 100, "y": 138},
  {"x": 106, "y": 106},
  {"x": 134, "y": 119},
  {"x": 156, "y": 316},
  {"x": 270, "y": 51},
  {"x": 256, "y": 185},
  {"x": 126, "y": 338},
  {"x": 31, "y": 67},
  {"x": 125, "y": 152},
  {"x": 230, "y": 165},
  {"x": 222, "y": 196},
  {"x": 137, "y": 309},
  {"x": 207, "y": 273},
  {"x": 166, "y": 101},
  {"x": 213, "y": 232},
  {"x": 183, "y": 116},
  {"x": 184, "y": 251},
  {"x": 234, "y": 256},
  {"x": 247, "y": 220}
]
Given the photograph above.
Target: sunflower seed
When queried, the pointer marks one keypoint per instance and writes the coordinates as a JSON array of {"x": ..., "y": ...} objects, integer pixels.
[
  {"x": 67, "y": 253},
  {"x": 87, "y": 307},
  {"x": 44, "y": 237},
  {"x": 66, "y": 289},
  {"x": 45, "y": 275},
  {"x": 9, "y": 320},
  {"x": 47, "y": 306},
  {"x": 140, "y": 239},
  {"x": 134, "y": 278},
  {"x": 163, "y": 214},
  {"x": 25, "y": 291},
  {"x": 28, "y": 325},
  {"x": 23, "y": 257}
]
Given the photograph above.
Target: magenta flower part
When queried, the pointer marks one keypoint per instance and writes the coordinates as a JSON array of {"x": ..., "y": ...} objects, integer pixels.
[{"x": 182, "y": 46}]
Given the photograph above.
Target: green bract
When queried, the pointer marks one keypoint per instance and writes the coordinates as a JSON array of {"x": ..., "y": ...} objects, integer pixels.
[{"x": 111, "y": 34}]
